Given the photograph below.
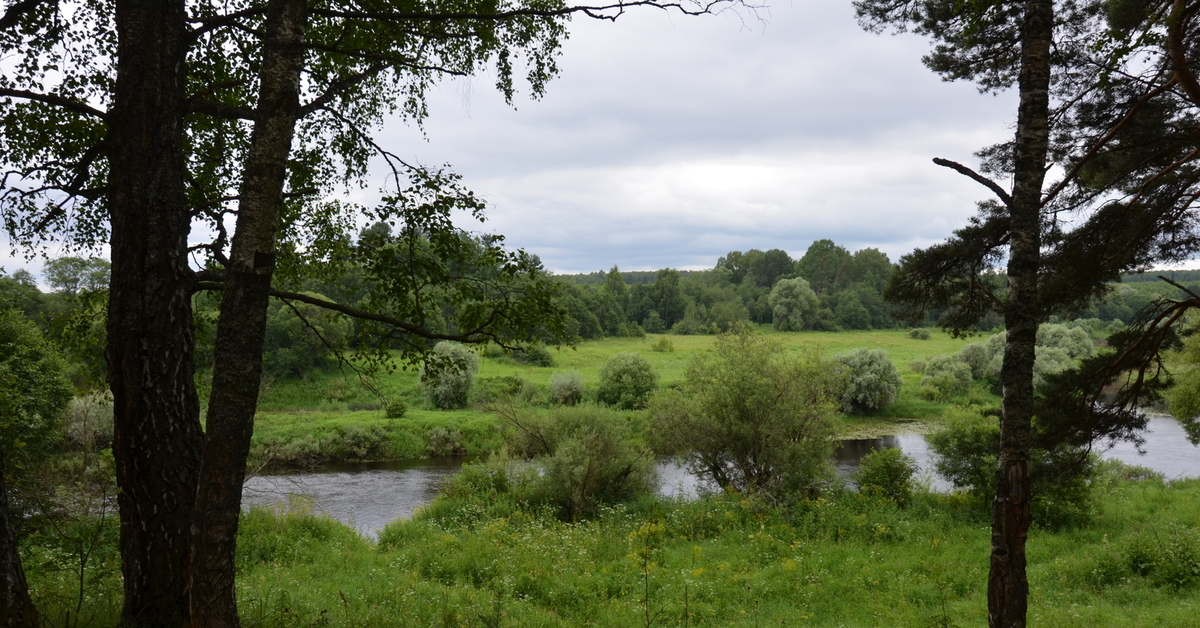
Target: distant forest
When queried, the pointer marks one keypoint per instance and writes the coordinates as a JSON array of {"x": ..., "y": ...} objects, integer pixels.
[{"x": 827, "y": 289}]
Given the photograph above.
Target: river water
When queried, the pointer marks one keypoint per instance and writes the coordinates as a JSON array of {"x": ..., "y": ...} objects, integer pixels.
[{"x": 370, "y": 495}]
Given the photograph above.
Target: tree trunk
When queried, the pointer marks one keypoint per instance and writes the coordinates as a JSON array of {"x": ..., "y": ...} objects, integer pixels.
[
  {"x": 16, "y": 609},
  {"x": 157, "y": 438},
  {"x": 237, "y": 366},
  {"x": 1008, "y": 586}
]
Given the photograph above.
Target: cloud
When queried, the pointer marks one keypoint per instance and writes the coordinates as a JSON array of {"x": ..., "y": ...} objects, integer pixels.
[{"x": 669, "y": 140}]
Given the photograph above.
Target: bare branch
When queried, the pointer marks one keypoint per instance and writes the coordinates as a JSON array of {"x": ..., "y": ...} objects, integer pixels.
[
  {"x": 604, "y": 12},
  {"x": 978, "y": 178}
]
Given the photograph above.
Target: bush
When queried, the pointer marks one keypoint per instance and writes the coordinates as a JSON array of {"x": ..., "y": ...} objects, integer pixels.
[
  {"x": 873, "y": 383},
  {"x": 887, "y": 472},
  {"x": 566, "y": 388},
  {"x": 663, "y": 345},
  {"x": 919, "y": 333},
  {"x": 945, "y": 377},
  {"x": 626, "y": 381},
  {"x": 583, "y": 456},
  {"x": 88, "y": 421},
  {"x": 917, "y": 366},
  {"x": 442, "y": 441},
  {"x": 966, "y": 453},
  {"x": 1170, "y": 556},
  {"x": 977, "y": 357},
  {"x": 533, "y": 355},
  {"x": 448, "y": 374},
  {"x": 750, "y": 417},
  {"x": 395, "y": 407}
]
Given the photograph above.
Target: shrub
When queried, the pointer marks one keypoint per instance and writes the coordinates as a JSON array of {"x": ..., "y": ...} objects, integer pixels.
[
  {"x": 975, "y": 356},
  {"x": 887, "y": 472},
  {"x": 919, "y": 333},
  {"x": 88, "y": 421},
  {"x": 395, "y": 407},
  {"x": 945, "y": 377},
  {"x": 750, "y": 417},
  {"x": 584, "y": 457},
  {"x": 566, "y": 388},
  {"x": 872, "y": 381},
  {"x": 966, "y": 453},
  {"x": 626, "y": 381},
  {"x": 442, "y": 441},
  {"x": 1168, "y": 556},
  {"x": 533, "y": 355},
  {"x": 917, "y": 366},
  {"x": 448, "y": 374},
  {"x": 663, "y": 345}
]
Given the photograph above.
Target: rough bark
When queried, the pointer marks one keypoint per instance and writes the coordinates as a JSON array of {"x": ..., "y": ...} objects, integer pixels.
[
  {"x": 237, "y": 366},
  {"x": 157, "y": 437},
  {"x": 16, "y": 609},
  {"x": 1008, "y": 585}
]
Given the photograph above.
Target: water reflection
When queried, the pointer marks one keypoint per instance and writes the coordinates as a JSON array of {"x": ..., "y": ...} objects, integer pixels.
[{"x": 369, "y": 496}]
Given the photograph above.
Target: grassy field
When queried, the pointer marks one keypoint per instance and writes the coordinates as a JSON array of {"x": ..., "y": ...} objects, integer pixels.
[
  {"x": 844, "y": 560},
  {"x": 336, "y": 416}
]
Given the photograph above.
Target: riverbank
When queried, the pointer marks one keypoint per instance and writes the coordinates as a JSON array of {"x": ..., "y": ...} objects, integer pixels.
[{"x": 842, "y": 560}]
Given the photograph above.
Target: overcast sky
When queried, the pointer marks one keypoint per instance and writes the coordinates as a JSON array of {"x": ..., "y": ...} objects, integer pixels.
[
  {"x": 668, "y": 141},
  {"x": 671, "y": 140}
]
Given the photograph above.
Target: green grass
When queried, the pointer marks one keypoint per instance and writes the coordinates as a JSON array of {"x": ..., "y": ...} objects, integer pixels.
[
  {"x": 320, "y": 419},
  {"x": 724, "y": 561}
]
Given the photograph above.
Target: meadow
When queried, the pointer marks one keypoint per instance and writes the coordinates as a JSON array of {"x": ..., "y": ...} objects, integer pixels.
[{"x": 337, "y": 415}]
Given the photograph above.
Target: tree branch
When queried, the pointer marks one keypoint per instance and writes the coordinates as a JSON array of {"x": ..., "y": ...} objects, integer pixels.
[
  {"x": 1177, "y": 48},
  {"x": 57, "y": 101},
  {"x": 978, "y": 178},
  {"x": 218, "y": 110},
  {"x": 14, "y": 13},
  {"x": 597, "y": 12}
]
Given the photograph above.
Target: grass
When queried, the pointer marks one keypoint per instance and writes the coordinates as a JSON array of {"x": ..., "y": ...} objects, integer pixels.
[
  {"x": 334, "y": 416},
  {"x": 845, "y": 560}
]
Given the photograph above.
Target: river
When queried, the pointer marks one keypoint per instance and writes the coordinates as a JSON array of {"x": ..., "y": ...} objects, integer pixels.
[{"x": 370, "y": 495}]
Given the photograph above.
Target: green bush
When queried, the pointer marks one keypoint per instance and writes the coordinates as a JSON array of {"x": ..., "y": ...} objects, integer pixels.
[
  {"x": 533, "y": 355},
  {"x": 945, "y": 377},
  {"x": 663, "y": 345},
  {"x": 751, "y": 417},
  {"x": 395, "y": 407},
  {"x": 887, "y": 472},
  {"x": 872, "y": 381},
  {"x": 977, "y": 357},
  {"x": 88, "y": 421},
  {"x": 626, "y": 381},
  {"x": 448, "y": 374},
  {"x": 1169, "y": 556},
  {"x": 444, "y": 442},
  {"x": 582, "y": 457},
  {"x": 919, "y": 333},
  {"x": 966, "y": 453},
  {"x": 566, "y": 388}
]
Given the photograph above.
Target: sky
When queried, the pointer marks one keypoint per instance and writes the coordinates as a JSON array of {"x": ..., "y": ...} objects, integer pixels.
[{"x": 669, "y": 140}]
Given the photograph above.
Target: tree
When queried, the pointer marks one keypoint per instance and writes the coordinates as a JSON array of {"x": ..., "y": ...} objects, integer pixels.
[
  {"x": 1108, "y": 102},
  {"x": 825, "y": 265},
  {"x": 165, "y": 113},
  {"x": 70, "y": 275},
  {"x": 33, "y": 394},
  {"x": 750, "y": 417},
  {"x": 793, "y": 304},
  {"x": 873, "y": 383},
  {"x": 626, "y": 381}
]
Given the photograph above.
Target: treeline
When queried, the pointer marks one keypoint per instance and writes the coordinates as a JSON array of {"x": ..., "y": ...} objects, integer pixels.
[{"x": 827, "y": 289}]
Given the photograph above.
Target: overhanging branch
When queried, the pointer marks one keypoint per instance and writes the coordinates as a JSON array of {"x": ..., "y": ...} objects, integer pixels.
[{"x": 57, "y": 101}]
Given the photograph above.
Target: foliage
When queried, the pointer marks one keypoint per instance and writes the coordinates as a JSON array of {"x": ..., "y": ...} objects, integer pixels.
[
  {"x": 88, "y": 421},
  {"x": 750, "y": 417},
  {"x": 301, "y": 337},
  {"x": 566, "y": 388},
  {"x": 395, "y": 407},
  {"x": 582, "y": 457},
  {"x": 919, "y": 333},
  {"x": 533, "y": 355},
  {"x": 72, "y": 275},
  {"x": 793, "y": 304},
  {"x": 33, "y": 391},
  {"x": 448, "y": 375},
  {"x": 872, "y": 383},
  {"x": 945, "y": 377},
  {"x": 663, "y": 345},
  {"x": 966, "y": 453},
  {"x": 888, "y": 472},
  {"x": 1167, "y": 556},
  {"x": 626, "y": 381}
]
